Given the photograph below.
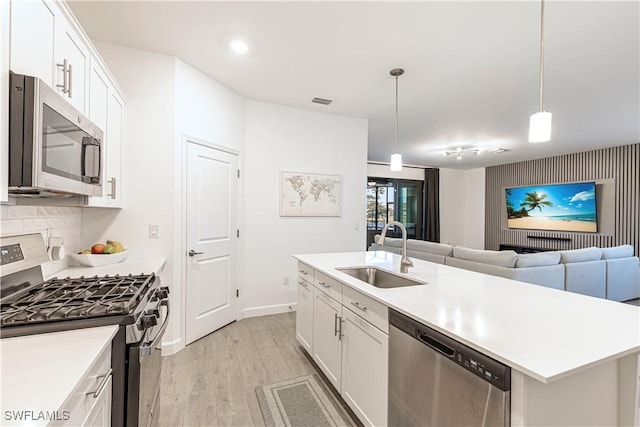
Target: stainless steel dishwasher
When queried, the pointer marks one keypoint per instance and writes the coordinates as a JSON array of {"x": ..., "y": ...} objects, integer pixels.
[{"x": 437, "y": 381}]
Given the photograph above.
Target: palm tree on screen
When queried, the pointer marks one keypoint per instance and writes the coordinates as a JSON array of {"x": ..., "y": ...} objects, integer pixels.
[{"x": 534, "y": 200}]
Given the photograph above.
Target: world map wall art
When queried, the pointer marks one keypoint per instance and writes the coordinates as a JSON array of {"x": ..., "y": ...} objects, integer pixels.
[{"x": 307, "y": 194}]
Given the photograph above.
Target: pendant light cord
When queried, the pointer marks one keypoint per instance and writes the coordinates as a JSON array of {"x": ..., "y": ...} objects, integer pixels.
[
  {"x": 541, "y": 55},
  {"x": 397, "y": 149}
]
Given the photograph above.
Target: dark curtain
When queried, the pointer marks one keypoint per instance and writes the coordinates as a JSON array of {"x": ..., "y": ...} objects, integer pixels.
[{"x": 432, "y": 204}]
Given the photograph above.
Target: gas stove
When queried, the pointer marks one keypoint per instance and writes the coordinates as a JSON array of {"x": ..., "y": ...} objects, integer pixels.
[
  {"x": 136, "y": 303},
  {"x": 75, "y": 298}
]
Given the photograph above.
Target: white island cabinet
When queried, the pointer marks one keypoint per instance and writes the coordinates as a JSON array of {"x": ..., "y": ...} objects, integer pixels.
[
  {"x": 575, "y": 359},
  {"x": 57, "y": 379},
  {"x": 304, "y": 311},
  {"x": 349, "y": 341}
]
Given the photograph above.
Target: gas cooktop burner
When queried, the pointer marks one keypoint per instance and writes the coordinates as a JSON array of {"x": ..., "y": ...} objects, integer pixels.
[{"x": 75, "y": 298}]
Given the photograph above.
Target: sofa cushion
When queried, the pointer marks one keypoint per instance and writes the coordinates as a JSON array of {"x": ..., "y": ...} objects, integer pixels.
[
  {"x": 430, "y": 247},
  {"x": 623, "y": 251},
  {"x": 389, "y": 241},
  {"x": 499, "y": 258},
  {"x": 580, "y": 255},
  {"x": 537, "y": 259}
]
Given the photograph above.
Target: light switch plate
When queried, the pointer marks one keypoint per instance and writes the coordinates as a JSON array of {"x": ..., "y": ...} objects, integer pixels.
[{"x": 154, "y": 231}]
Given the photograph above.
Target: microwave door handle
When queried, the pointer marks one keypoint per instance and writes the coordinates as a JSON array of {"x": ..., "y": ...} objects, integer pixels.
[
  {"x": 86, "y": 143},
  {"x": 146, "y": 350}
]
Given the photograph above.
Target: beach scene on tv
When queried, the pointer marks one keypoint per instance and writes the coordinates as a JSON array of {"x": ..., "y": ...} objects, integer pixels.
[{"x": 558, "y": 207}]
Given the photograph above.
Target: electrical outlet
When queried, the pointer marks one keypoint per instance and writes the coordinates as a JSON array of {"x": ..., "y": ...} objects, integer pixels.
[
  {"x": 154, "y": 231},
  {"x": 285, "y": 279}
]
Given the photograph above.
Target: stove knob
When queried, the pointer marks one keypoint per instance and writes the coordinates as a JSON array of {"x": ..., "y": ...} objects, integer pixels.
[
  {"x": 162, "y": 292},
  {"x": 149, "y": 320},
  {"x": 153, "y": 312}
]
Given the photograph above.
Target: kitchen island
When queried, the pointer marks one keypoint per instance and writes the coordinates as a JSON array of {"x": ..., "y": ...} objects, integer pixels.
[{"x": 574, "y": 358}]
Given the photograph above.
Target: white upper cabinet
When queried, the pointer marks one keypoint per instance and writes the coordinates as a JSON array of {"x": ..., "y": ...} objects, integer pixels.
[
  {"x": 106, "y": 109},
  {"x": 47, "y": 42},
  {"x": 115, "y": 140},
  {"x": 33, "y": 33},
  {"x": 72, "y": 65},
  {"x": 5, "y": 48},
  {"x": 44, "y": 44}
]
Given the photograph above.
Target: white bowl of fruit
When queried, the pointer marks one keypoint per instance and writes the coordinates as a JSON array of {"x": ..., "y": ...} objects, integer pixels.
[{"x": 101, "y": 254}]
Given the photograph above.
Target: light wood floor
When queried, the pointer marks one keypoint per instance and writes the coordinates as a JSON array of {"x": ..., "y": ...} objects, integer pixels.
[{"x": 212, "y": 381}]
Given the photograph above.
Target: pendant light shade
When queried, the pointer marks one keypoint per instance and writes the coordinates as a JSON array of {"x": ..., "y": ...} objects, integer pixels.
[
  {"x": 540, "y": 127},
  {"x": 540, "y": 122},
  {"x": 396, "y": 162},
  {"x": 396, "y": 158}
]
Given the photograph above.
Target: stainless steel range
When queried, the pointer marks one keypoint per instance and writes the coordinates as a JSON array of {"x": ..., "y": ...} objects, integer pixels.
[{"x": 31, "y": 305}]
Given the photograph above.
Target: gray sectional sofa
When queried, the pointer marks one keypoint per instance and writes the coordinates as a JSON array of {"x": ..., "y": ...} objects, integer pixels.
[{"x": 612, "y": 273}]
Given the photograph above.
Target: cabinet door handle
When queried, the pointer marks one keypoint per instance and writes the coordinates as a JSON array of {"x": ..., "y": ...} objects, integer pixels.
[
  {"x": 65, "y": 76},
  {"x": 103, "y": 383},
  {"x": 112, "y": 181},
  {"x": 335, "y": 325},
  {"x": 324, "y": 284},
  {"x": 69, "y": 80},
  {"x": 340, "y": 334},
  {"x": 358, "y": 306}
]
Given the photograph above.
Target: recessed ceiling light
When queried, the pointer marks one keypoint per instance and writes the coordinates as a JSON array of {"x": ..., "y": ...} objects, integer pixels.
[{"x": 239, "y": 46}]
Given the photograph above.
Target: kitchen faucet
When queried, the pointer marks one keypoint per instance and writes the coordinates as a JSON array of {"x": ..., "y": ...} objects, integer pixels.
[{"x": 405, "y": 263}]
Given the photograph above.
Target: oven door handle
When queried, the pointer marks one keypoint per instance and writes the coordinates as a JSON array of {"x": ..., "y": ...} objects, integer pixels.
[{"x": 146, "y": 350}]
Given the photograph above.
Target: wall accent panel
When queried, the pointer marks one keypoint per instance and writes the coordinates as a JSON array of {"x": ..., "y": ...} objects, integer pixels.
[{"x": 616, "y": 171}]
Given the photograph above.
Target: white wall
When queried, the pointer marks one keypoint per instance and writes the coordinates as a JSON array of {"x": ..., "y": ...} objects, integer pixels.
[
  {"x": 462, "y": 199},
  {"x": 287, "y": 139},
  {"x": 474, "y": 196},
  {"x": 209, "y": 112},
  {"x": 147, "y": 79}
]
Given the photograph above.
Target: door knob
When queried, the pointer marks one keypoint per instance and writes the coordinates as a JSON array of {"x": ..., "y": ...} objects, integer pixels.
[{"x": 194, "y": 253}]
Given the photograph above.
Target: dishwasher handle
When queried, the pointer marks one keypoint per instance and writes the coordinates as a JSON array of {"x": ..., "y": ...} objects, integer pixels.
[{"x": 435, "y": 344}]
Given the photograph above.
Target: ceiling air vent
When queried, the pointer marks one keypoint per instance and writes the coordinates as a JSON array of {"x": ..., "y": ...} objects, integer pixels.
[{"x": 322, "y": 101}]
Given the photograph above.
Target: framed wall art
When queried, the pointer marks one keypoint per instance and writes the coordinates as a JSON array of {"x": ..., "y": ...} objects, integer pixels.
[{"x": 310, "y": 194}]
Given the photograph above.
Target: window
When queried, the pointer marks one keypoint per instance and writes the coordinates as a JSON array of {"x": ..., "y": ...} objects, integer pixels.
[{"x": 393, "y": 199}]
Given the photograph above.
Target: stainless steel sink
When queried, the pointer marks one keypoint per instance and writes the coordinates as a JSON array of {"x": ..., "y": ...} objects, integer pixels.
[{"x": 380, "y": 278}]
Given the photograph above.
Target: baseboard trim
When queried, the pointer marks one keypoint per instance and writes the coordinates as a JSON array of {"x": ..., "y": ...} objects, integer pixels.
[
  {"x": 172, "y": 347},
  {"x": 266, "y": 310}
]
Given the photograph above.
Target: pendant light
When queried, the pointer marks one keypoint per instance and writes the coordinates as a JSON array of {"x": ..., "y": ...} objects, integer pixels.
[
  {"x": 540, "y": 122},
  {"x": 396, "y": 158}
]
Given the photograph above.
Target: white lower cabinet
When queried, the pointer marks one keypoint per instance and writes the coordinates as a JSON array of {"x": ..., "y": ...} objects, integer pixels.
[
  {"x": 365, "y": 357},
  {"x": 327, "y": 345},
  {"x": 100, "y": 414},
  {"x": 350, "y": 343},
  {"x": 89, "y": 405},
  {"x": 304, "y": 315}
]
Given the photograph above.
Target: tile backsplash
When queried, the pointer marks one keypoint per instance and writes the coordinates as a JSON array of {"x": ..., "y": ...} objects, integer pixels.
[{"x": 50, "y": 221}]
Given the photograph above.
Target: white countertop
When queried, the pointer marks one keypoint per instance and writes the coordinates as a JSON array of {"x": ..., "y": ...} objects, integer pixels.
[
  {"x": 544, "y": 333},
  {"x": 128, "y": 266},
  {"x": 39, "y": 372}
]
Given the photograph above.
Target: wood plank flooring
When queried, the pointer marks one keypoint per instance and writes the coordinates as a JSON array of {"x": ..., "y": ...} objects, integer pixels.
[{"x": 212, "y": 381}]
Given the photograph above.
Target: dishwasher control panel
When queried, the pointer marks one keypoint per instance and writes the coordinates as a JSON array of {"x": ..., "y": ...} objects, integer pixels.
[
  {"x": 481, "y": 368},
  {"x": 480, "y": 364}
]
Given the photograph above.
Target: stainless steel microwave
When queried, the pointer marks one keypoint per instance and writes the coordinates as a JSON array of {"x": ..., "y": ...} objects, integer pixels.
[{"x": 54, "y": 150}]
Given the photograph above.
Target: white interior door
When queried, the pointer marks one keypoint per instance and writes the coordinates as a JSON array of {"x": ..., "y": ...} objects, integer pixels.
[{"x": 211, "y": 251}]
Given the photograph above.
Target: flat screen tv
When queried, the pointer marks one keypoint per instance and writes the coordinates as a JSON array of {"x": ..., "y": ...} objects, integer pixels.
[{"x": 556, "y": 207}]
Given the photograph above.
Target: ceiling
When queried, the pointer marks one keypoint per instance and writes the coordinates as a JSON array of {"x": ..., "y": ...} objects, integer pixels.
[{"x": 471, "y": 68}]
